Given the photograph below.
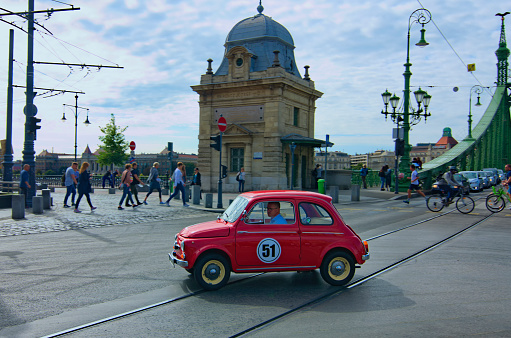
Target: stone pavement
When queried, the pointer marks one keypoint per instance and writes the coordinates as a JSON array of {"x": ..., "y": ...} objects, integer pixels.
[{"x": 60, "y": 219}]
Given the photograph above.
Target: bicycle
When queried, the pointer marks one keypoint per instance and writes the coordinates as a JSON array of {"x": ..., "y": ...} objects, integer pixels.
[
  {"x": 438, "y": 201},
  {"x": 495, "y": 202}
]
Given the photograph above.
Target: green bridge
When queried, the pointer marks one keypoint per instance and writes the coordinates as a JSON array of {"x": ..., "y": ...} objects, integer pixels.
[{"x": 490, "y": 144}]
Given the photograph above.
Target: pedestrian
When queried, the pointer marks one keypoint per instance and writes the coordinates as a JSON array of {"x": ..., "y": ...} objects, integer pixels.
[
  {"x": 179, "y": 184},
  {"x": 84, "y": 187},
  {"x": 363, "y": 175},
  {"x": 240, "y": 177},
  {"x": 136, "y": 181},
  {"x": 388, "y": 177},
  {"x": 507, "y": 181},
  {"x": 196, "y": 180},
  {"x": 414, "y": 184},
  {"x": 154, "y": 182},
  {"x": 419, "y": 162},
  {"x": 24, "y": 184},
  {"x": 114, "y": 175},
  {"x": 107, "y": 177},
  {"x": 382, "y": 177},
  {"x": 71, "y": 183},
  {"x": 126, "y": 182}
]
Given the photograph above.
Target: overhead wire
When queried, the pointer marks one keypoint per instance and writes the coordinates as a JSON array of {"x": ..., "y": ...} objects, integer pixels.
[{"x": 455, "y": 52}]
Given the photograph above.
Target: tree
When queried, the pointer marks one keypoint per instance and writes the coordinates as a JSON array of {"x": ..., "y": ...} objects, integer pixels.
[{"x": 114, "y": 145}]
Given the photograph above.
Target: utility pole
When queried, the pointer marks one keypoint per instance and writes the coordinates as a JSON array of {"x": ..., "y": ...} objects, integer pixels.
[
  {"x": 30, "y": 110},
  {"x": 8, "y": 130}
]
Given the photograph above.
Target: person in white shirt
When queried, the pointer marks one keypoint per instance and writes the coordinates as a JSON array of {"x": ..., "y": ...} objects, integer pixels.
[
  {"x": 179, "y": 185},
  {"x": 414, "y": 184}
]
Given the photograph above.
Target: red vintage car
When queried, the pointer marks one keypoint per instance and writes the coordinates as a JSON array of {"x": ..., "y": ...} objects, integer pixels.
[{"x": 271, "y": 231}]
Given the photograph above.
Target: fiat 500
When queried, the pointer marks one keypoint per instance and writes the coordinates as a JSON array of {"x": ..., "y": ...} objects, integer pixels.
[{"x": 267, "y": 231}]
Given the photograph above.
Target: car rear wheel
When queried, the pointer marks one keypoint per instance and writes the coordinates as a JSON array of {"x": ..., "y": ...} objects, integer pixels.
[
  {"x": 338, "y": 268},
  {"x": 211, "y": 271}
]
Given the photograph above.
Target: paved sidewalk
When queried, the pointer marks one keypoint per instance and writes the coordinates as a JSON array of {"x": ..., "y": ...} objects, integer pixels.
[{"x": 60, "y": 219}]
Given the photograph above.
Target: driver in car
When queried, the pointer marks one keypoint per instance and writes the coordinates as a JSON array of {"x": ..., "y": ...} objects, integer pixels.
[{"x": 273, "y": 210}]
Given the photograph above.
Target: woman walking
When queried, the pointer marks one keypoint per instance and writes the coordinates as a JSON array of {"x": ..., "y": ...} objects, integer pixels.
[
  {"x": 154, "y": 182},
  {"x": 84, "y": 187},
  {"x": 126, "y": 181}
]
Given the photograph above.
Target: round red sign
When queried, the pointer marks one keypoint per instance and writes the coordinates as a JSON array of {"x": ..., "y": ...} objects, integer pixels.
[
  {"x": 222, "y": 124},
  {"x": 132, "y": 145}
]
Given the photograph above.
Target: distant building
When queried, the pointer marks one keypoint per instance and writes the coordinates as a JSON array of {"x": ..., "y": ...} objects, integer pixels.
[
  {"x": 58, "y": 162},
  {"x": 335, "y": 160},
  {"x": 374, "y": 160},
  {"x": 429, "y": 151}
]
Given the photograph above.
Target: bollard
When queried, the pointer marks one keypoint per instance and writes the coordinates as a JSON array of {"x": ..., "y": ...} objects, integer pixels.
[
  {"x": 111, "y": 191},
  {"x": 355, "y": 192},
  {"x": 196, "y": 194},
  {"x": 187, "y": 193},
  {"x": 321, "y": 186},
  {"x": 37, "y": 204},
  {"x": 334, "y": 193},
  {"x": 209, "y": 201},
  {"x": 46, "y": 198},
  {"x": 18, "y": 206}
]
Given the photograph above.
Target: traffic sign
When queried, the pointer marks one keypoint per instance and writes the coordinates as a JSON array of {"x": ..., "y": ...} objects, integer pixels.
[
  {"x": 222, "y": 124},
  {"x": 132, "y": 145}
]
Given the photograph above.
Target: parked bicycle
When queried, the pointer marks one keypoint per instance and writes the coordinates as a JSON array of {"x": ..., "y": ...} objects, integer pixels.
[
  {"x": 438, "y": 201},
  {"x": 496, "y": 202}
]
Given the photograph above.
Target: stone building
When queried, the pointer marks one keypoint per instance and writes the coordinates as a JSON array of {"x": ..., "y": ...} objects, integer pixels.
[
  {"x": 335, "y": 160},
  {"x": 268, "y": 106}
]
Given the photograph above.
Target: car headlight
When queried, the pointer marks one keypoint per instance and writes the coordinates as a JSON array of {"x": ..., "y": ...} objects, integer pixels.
[
  {"x": 435, "y": 186},
  {"x": 183, "y": 246}
]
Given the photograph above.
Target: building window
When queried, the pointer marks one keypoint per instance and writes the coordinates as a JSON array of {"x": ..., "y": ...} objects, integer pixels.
[
  {"x": 296, "y": 114},
  {"x": 237, "y": 159}
]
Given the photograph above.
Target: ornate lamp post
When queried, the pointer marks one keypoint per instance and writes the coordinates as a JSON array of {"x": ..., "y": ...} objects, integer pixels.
[
  {"x": 86, "y": 122},
  {"x": 478, "y": 90},
  {"x": 409, "y": 116}
]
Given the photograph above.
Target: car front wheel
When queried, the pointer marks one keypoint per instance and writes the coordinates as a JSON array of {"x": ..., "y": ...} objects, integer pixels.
[
  {"x": 211, "y": 271},
  {"x": 338, "y": 268}
]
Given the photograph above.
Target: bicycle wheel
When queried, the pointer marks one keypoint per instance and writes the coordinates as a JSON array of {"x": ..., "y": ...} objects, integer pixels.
[
  {"x": 465, "y": 204},
  {"x": 435, "y": 203},
  {"x": 495, "y": 203}
]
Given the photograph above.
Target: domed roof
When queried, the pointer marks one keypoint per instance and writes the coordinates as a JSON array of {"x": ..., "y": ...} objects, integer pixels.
[
  {"x": 256, "y": 27},
  {"x": 261, "y": 35}
]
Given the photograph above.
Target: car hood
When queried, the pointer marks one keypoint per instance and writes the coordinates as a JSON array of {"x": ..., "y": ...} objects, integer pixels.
[{"x": 206, "y": 229}]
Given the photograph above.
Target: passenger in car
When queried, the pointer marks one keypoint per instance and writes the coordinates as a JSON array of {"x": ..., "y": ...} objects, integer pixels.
[{"x": 273, "y": 210}]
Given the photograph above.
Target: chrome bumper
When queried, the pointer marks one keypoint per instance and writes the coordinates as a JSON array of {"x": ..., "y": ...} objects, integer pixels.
[
  {"x": 366, "y": 257},
  {"x": 179, "y": 262}
]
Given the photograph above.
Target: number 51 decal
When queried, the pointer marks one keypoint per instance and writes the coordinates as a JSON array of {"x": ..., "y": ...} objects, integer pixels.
[{"x": 268, "y": 250}]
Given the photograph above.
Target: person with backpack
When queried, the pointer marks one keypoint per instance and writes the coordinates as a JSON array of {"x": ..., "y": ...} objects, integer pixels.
[
  {"x": 240, "y": 177},
  {"x": 382, "y": 177},
  {"x": 154, "y": 182}
]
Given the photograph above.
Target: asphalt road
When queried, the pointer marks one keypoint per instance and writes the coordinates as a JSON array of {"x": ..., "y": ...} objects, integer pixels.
[{"x": 57, "y": 280}]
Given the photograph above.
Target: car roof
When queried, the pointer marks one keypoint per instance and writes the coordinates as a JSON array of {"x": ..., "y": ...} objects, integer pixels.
[{"x": 283, "y": 194}]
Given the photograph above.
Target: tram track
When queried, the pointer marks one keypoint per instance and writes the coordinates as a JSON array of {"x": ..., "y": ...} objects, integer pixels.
[{"x": 298, "y": 308}]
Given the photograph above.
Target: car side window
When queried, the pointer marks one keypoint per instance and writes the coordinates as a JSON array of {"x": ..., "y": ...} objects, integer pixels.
[
  {"x": 282, "y": 212},
  {"x": 314, "y": 214}
]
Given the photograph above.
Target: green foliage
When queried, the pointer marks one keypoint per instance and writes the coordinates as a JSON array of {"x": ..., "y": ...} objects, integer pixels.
[
  {"x": 358, "y": 166},
  {"x": 114, "y": 147}
]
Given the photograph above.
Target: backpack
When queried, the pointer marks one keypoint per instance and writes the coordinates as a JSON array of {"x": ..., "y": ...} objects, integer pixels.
[
  {"x": 63, "y": 178},
  {"x": 238, "y": 177}
]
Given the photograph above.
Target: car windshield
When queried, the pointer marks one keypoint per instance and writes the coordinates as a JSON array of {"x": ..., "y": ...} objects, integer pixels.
[
  {"x": 470, "y": 175},
  {"x": 235, "y": 209}
]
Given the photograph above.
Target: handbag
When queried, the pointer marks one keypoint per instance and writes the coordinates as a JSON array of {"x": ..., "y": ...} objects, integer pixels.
[{"x": 238, "y": 177}]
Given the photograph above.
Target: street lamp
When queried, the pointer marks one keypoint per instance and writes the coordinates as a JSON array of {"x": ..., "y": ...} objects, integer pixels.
[
  {"x": 86, "y": 122},
  {"x": 409, "y": 116},
  {"x": 478, "y": 90}
]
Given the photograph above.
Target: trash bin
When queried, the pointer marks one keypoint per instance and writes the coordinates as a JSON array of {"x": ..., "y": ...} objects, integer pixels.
[{"x": 321, "y": 186}]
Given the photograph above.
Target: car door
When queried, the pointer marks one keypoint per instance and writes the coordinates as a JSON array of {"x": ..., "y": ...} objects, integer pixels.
[{"x": 261, "y": 244}]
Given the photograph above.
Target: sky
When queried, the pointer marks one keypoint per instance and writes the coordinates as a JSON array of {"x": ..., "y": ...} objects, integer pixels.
[{"x": 355, "y": 50}]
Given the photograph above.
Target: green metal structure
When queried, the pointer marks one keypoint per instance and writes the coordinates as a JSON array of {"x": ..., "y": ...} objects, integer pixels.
[{"x": 490, "y": 144}]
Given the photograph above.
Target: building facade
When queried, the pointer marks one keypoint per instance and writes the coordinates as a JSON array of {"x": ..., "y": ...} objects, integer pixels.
[{"x": 268, "y": 106}]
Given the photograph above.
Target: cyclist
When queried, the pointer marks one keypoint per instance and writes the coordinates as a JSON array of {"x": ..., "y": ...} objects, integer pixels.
[
  {"x": 507, "y": 181},
  {"x": 448, "y": 182}
]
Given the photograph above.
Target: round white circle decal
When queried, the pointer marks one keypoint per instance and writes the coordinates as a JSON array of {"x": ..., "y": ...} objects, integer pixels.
[{"x": 268, "y": 250}]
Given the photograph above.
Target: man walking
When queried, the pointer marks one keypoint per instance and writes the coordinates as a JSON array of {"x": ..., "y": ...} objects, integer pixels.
[
  {"x": 24, "y": 185},
  {"x": 136, "y": 180},
  {"x": 70, "y": 183},
  {"x": 363, "y": 174}
]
